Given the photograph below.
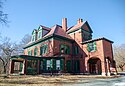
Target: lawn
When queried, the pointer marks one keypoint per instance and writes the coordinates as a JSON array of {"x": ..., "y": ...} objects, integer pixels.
[{"x": 44, "y": 80}]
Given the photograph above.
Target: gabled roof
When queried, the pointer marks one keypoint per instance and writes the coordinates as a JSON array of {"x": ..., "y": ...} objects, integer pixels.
[
  {"x": 57, "y": 30},
  {"x": 34, "y": 31},
  {"x": 46, "y": 28},
  {"x": 77, "y": 26}
]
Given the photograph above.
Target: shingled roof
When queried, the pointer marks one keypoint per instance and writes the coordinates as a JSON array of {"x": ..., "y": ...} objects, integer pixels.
[{"x": 57, "y": 30}]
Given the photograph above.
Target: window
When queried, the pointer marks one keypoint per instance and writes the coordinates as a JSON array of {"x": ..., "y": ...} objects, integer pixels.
[
  {"x": 76, "y": 50},
  {"x": 34, "y": 33},
  {"x": 33, "y": 37},
  {"x": 35, "y": 51},
  {"x": 91, "y": 47},
  {"x": 40, "y": 34},
  {"x": 32, "y": 66},
  {"x": 41, "y": 65},
  {"x": 48, "y": 65},
  {"x": 65, "y": 49},
  {"x": 43, "y": 49},
  {"x": 86, "y": 35},
  {"x": 30, "y": 52},
  {"x": 57, "y": 64}
]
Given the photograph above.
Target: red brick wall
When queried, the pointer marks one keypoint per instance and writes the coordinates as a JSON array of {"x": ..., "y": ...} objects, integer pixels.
[{"x": 50, "y": 48}]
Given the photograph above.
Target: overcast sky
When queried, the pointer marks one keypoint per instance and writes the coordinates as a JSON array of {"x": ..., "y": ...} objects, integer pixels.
[{"x": 105, "y": 17}]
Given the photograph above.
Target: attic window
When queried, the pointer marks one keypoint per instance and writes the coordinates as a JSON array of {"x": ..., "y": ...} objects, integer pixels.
[
  {"x": 34, "y": 33},
  {"x": 39, "y": 32}
]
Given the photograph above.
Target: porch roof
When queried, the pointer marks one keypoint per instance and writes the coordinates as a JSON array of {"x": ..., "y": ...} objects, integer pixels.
[{"x": 22, "y": 57}]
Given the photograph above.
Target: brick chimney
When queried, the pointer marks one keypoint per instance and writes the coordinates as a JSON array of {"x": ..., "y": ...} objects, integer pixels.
[
  {"x": 64, "y": 24},
  {"x": 79, "y": 21}
]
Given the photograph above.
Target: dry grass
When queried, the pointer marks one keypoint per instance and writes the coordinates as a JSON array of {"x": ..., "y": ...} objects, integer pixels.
[{"x": 44, "y": 80}]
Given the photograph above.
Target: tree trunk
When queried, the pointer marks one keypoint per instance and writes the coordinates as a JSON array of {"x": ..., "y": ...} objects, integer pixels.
[{"x": 4, "y": 69}]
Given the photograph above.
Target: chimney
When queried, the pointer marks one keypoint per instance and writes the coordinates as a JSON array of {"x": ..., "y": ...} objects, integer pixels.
[
  {"x": 79, "y": 21},
  {"x": 64, "y": 24}
]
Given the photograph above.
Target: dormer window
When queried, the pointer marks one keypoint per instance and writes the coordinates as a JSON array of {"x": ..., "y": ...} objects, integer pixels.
[
  {"x": 39, "y": 33},
  {"x": 34, "y": 35}
]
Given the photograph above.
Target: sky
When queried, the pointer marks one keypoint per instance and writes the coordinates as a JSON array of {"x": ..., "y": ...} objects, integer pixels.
[{"x": 105, "y": 17}]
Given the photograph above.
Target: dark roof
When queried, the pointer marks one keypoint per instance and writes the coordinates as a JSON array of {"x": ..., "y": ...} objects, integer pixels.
[
  {"x": 57, "y": 30},
  {"x": 16, "y": 57},
  {"x": 92, "y": 40},
  {"x": 46, "y": 28}
]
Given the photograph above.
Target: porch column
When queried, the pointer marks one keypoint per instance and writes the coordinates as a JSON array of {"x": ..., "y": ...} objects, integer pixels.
[
  {"x": 108, "y": 67},
  {"x": 103, "y": 68},
  {"x": 11, "y": 67},
  {"x": 24, "y": 67},
  {"x": 38, "y": 67}
]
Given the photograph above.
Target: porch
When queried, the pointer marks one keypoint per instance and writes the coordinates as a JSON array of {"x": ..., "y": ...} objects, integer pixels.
[{"x": 25, "y": 64}]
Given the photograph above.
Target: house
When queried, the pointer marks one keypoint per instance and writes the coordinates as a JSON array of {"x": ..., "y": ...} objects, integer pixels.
[{"x": 60, "y": 49}]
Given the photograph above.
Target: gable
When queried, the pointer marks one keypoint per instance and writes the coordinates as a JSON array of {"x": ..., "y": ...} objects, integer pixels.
[
  {"x": 42, "y": 31},
  {"x": 34, "y": 31},
  {"x": 86, "y": 27}
]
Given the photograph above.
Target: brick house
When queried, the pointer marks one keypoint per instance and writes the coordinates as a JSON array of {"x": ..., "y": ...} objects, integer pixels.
[{"x": 65, "y": 50}]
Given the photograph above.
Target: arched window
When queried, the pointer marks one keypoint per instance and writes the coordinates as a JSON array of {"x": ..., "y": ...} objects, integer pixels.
[
  {"x": 34, "y": 35},
  {"x": 43, "y": 49},
  {"x": 64, "y": 49},
  {"x": 30, "y": 52},
  {"x": 39, "y": 33},
  {"x": 35, "y": 51}
]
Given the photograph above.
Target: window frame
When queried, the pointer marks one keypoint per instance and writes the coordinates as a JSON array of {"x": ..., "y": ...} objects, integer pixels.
[
  {"x": 65, "y": 47},
  {"x": 35, "y": 51},
  {"x": 43, "y": 49},
  {"x": 91, "y": 47}
]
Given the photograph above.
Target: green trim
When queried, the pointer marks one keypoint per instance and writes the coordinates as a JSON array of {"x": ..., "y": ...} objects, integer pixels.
[
  {"x": 43, "y": 49},
  {"x": 86, "y": 35},
  {"x": 38, "y": 42},
  {"x": 30, "y": 52},
  {"x": 44, "y": 64},
  {"x": 57, "y": 37},
  {"x": 39, "y": 34},
  {"x": 40, "y": 28},
  {"x": 34, "y": 31},
  {"x": 35, "y": 51},
  {"x": 61, "y": 64},
  {"x": 33, "y": 37},
  {"x": 91, "y": 47},
  {"x": 68, "y": 65},
  {"x": 66, "y": 48},
  {"x": 54, "y": 64}
]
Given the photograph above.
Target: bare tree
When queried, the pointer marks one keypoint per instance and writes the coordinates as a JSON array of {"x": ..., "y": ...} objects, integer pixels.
[
  {"x": 119, "y": 55},
  {"x": 3, "y": 16},
  {"x": 7, "y": 49},
  {"x": 25, "y": 40}
]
